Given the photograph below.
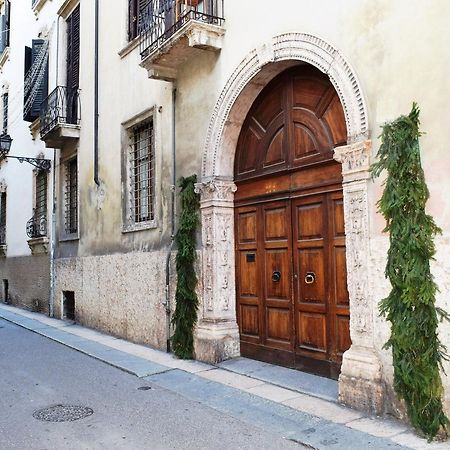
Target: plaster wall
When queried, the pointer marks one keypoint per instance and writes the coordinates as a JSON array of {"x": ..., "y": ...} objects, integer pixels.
[{"x": 18, "y": 177}]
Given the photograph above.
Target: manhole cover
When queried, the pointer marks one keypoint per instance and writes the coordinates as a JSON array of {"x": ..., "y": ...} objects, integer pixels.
[{"x": 63, "y": 413}]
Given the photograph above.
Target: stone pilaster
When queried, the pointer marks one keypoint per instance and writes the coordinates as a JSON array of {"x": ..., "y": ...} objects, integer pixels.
[
  {"x": 217, "y": 334},
  {"x": 360, "y": 383}
]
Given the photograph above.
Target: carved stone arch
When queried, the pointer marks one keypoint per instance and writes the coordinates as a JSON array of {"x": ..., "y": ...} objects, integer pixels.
[
  {"x": 217, "y": 335},
  {"x": 259, "y": 66}
]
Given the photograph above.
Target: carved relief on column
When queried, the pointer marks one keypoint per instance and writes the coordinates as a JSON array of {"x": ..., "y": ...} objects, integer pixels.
[
  {"x": 360, "y": 383},
  {"x": 217, "y": 334},
  {"x": 216, "y": 203},
  {"x": 355, "y": 160}
]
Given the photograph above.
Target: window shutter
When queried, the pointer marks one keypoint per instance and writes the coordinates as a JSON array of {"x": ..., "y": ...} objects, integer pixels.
[
  {"x": 3, "y": 209},
  {"x": 42, "y": 90},
  {"x": 26, "y": 67},
  {"x": 7, "y": 27},
  {"x": 132, "y": 19},
  {"x": 2, "y": 33},
  {"x": 73, "y": 49}
]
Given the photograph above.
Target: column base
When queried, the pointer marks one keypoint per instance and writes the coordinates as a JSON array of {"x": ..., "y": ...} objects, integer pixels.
[
  {"x": 216, "y": 342},
  {"x": 360, "y": 384}
]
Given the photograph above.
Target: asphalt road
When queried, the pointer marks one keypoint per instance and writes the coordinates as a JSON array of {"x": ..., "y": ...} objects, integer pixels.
[{"x": 37, "y": 373}]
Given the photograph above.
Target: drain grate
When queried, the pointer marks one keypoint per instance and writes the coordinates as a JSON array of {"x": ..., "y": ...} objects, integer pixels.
[
  {"x": 63, "y": 413},
  {"x": 144, "y": 388}
]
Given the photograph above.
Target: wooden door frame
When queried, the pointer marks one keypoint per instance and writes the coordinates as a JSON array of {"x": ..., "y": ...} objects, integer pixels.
[{"x": 217, "y": 335}]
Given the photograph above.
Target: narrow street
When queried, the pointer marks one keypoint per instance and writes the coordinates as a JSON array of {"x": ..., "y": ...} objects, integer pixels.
[
  {"x": 66, "y": 386},
  {"x": 36, "y": 373}
]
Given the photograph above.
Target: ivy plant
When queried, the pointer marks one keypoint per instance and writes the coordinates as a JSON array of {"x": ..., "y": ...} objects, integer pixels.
[
  {"x": 185, "y": 316},
  {"x": 410, "y": 307}
]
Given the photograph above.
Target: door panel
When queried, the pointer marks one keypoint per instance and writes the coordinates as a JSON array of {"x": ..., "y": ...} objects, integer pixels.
[
  {"x": 312, "y": 335},
  {"x": 277, "y": 273},
  {"x": 249, "y": 309},
  {"x": 310, "y": 288}
]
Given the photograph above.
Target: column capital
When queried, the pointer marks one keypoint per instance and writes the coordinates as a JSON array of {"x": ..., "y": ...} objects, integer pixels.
[
  {"x": 355, "y": 160},
  {"x": 216, "y": 192}
]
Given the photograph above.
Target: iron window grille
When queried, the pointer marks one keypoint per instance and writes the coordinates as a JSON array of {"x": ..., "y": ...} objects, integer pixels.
[
  {"x": 3, "y": 218},
  {"x": 71, "y": 197},
  {"x": 142, "y": 176},
  {"x": 37, "y": 225}
]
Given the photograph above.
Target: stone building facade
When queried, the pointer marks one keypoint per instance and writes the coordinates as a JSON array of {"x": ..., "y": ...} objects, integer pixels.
[{"x": 167, "y": 94}]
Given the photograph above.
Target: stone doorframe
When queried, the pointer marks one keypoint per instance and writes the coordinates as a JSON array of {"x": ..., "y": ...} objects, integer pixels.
[{"x": 217, "y": 334}]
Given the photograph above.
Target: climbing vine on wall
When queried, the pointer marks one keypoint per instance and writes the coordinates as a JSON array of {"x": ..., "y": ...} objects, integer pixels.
[
  {"x": 410, "y": 306},
  {"x": 185, "y": 316}
]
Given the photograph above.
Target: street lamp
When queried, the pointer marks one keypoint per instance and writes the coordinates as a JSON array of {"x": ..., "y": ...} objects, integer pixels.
[{"x": 5, "y": 146}]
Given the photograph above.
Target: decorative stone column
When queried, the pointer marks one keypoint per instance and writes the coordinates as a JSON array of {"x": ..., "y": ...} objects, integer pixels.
[
  {"x": 217, "y": 334},
  {"x": 360, "y": 383}
]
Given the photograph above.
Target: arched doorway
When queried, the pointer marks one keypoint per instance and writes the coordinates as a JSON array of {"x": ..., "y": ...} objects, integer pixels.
[
  {"x": 291, "y": 285},
  {"x": 217, "y": 334}
]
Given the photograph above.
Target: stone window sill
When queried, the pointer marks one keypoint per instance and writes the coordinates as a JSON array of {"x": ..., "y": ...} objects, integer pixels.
[
  {"x": 69, "y": 238},
  {"x": 38, "y": 246},
  {"x": 38, "y": 6},
  {"x": 129, "y": 47},
  {"x": 151, "y": 225}
]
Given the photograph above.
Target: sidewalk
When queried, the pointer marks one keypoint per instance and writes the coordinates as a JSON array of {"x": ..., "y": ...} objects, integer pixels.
[{"x": 301, "y": 407}]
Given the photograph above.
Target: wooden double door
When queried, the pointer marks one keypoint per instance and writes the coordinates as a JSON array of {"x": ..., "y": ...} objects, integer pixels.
[
  {"x": 292, "y": 291},
  {"x": 292, "y": 299}
]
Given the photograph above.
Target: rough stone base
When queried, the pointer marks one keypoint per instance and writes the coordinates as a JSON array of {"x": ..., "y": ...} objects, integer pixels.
[
  {"x": 216, "y": 342},
  {"x": 120, "y": 294},
  {"x": 360, "y": 384}
]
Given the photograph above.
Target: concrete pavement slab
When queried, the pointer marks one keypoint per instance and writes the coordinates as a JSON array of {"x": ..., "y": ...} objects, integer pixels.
[
  {"x": 230, "y": 379},
  {"x": 323, "y": 408},
  {"x": 381, "y": 428},
  {"x": 284, "y": 377},
  {"x": 274, "y": 393}
]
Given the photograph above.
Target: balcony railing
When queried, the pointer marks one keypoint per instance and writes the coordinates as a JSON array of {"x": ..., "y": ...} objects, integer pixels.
[
  {"x": 37, "y": 226},
  {"x": 61, "y": 107},
  {"x": 161, "y": 19}
]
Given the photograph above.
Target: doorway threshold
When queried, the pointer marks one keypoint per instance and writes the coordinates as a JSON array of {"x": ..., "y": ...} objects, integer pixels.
[{"x": 292, "y": 379}]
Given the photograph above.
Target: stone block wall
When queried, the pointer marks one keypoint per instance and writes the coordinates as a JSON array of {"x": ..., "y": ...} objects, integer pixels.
[
  {"x": 28, "y": 279},
  {"x": 119, "y": 294}
]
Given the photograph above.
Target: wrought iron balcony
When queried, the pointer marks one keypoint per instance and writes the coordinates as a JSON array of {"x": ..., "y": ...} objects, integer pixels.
[
  {"x": 37, "y": 226},
  {"x": 60, "y": 116},
  {"x": 173, "y": 30}
]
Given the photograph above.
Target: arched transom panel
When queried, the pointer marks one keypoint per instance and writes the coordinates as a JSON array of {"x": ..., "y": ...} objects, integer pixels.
[{"x": 297, "y": 120}]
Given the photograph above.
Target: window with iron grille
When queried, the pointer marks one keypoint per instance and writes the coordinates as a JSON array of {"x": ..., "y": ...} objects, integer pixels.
[
  {"x": 3, "y": 218},
  {"x": 5, "y": 112},
  {"x": 71, "y": 197},
  {"x": 41, "y": 194},
  {"x": 142, "y": 176}
]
